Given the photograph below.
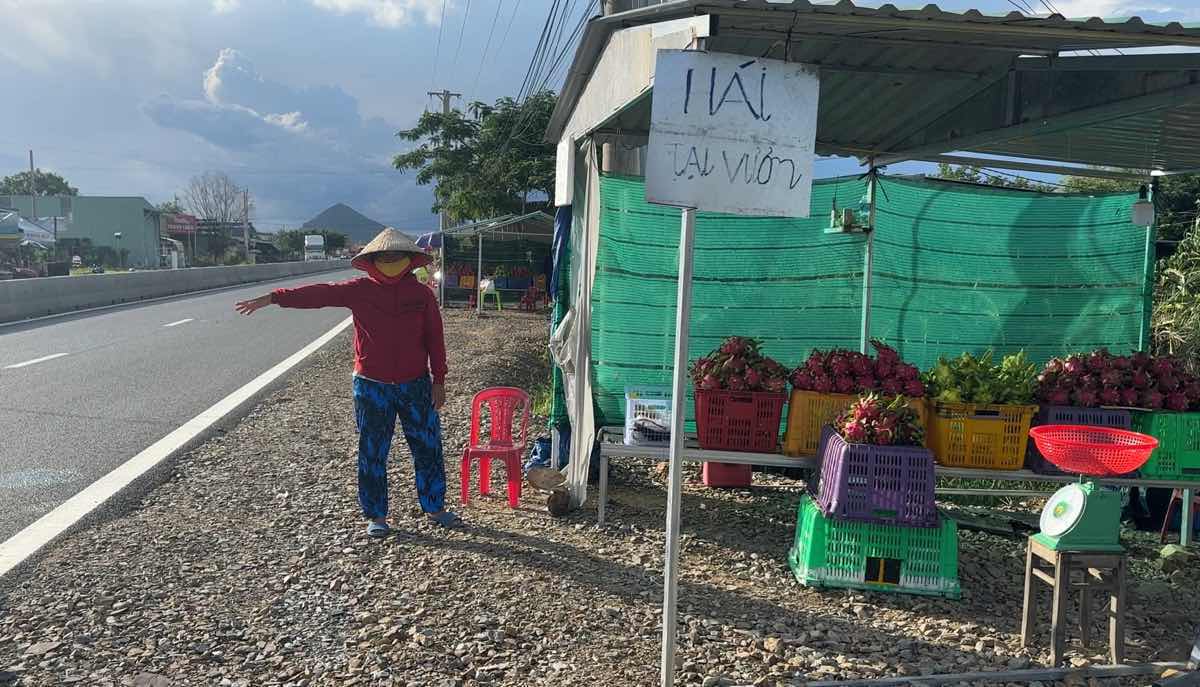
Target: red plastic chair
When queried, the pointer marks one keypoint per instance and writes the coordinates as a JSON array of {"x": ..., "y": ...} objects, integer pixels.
[{"x": 504, "y": 405}]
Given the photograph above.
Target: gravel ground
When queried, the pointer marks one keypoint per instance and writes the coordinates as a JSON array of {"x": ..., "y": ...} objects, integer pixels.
[{"x": 251, "y": 567}]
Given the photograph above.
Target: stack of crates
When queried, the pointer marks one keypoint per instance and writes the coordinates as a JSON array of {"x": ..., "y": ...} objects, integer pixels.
[{"x": 871, "y": 523}]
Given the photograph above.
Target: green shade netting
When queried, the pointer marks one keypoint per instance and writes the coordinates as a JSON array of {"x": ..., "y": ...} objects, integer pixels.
[{"x": 956, "y": 268}]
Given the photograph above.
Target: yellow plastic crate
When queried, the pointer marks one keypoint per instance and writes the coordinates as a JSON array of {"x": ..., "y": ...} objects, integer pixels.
[
  {"x": 467, "y": 281},
  {"x": 986, "y": 437},
  {"x": 809, "y": 411}
]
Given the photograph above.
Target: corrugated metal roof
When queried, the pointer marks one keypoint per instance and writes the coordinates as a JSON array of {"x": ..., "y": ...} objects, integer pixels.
[
  {"x": 891, "y": 76},
  {"x": 538, "y": 217}
]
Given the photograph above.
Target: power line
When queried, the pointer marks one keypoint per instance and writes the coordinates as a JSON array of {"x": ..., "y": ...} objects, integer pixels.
[
  {"x": 486, "y": 46},
  {"x": 462, "y": 30},
  {"x": 516, "y": 6},
  {"x": 437, "y": 51}
]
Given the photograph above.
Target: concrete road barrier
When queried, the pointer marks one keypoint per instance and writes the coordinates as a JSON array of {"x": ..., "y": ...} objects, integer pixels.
[{"x": 22, "y": 299}]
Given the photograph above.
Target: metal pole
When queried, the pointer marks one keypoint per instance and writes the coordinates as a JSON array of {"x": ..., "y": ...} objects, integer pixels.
[
  {"x": 479, "y": 278},
  {"x": 1185, "y": 519},
  {"x": 246, "y": 221},
  {"x": 32, "y": 189},
  {"x": 683, "y": 304},
  {"x": 868, "y": 265},
  {"x": 1148, "y": 272}
]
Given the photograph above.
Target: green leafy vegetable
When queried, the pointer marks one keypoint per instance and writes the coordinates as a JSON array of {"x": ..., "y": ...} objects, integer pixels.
[{"x": 972, "y": 379}]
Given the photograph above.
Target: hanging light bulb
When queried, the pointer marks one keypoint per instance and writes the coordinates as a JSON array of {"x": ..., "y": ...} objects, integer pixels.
[{"x": 1143, "y": 209}]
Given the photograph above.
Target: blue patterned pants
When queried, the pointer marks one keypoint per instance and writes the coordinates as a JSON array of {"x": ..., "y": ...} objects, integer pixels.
[{"x": 376, "y": 407}]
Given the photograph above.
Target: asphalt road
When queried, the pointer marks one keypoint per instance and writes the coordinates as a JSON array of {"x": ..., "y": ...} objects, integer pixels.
[{"x": 82, "y": 394}]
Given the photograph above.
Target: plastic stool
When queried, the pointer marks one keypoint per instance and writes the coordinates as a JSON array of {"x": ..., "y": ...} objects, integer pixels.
[
  {"x": 1177, "y": 499},
  {"x": 487, "y": 286},
  {"x": 504, "y": 404}
]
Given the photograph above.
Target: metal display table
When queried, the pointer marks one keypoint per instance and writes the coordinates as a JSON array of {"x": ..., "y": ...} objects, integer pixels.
[{"x": 612, "y": 445}]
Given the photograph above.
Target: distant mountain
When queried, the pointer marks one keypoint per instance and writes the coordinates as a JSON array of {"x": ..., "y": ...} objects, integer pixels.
[{"x": 343, "y": 218}]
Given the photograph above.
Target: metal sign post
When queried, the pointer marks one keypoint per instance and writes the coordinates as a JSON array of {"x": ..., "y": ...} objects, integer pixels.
[
  {"x": 729, "y": 135},
  {"x": 687, "y": 231}
]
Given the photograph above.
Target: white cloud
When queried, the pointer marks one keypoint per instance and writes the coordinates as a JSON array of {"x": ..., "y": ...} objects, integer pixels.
[
  {"x": 387, "y": 13},
  {"x": 225, "y": 6},
  {"x": 298, "y": 148},
  {"x": 1176, "y": 10}
]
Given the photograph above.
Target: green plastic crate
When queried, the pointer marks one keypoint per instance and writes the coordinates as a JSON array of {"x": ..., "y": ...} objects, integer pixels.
[
  {"x": 1178, "y": 452},
  {"x": 864, "y": 555}
]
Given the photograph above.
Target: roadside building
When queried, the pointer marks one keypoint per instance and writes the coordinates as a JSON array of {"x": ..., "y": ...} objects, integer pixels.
[{"x": 128, "y": 225}]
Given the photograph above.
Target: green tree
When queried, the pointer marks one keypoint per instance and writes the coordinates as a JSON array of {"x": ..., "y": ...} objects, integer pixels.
[
  {"x": 1176, "y": 203},
  {"x": 976, "y": 175},
  {"x": 44, "y": 184},
  {"x": 170, "y": 206},
  {"x": 486, "y": 163}
]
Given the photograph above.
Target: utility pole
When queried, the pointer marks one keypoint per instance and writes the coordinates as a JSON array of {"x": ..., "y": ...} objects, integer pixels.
[
  {"x": 246, "y": 221},
  {"x": 446, "y": 96},
  {"x": 32, "y": 189}
]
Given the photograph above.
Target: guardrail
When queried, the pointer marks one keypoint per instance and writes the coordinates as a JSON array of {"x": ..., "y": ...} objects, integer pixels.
[{"x": 22, "y": 299}]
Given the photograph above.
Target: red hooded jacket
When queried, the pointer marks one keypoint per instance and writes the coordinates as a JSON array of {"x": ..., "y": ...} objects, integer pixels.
[{"x": 397, "y": 327}]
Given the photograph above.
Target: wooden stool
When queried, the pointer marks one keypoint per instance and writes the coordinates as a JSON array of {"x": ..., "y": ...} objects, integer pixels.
[{"x": 1075, "y": 570}]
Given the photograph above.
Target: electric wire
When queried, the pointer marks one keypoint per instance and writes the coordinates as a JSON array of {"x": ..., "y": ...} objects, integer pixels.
[
  {"x": 486, "y": 46},
  {"x": 437, "y": 50}
]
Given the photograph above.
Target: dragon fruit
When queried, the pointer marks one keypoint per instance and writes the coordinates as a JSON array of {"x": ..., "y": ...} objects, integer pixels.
[
  {"x": 1130, "y": 396},
  {"x": 739, "y": 365},
  {"x": 735, "y": 345},
  {"x": 1074, "y": 365},
  {"x": 1176, "y": 400},
  {"x": 871, "y": 419},
  {"x": 1084, "y": 397},
  {"x": 1152, "y": 399},
  {"x": 1167, "y": 383},
  {"x": 851, "y": 372},
  {"x": 801, "y": 379},
  {"x": 1058, "y": 397},
  {"x": 1110, "y": 396},
  {"x": 1111, "y": 377},
  {"x": 1139, "y": 379},
  {"x": 1122, "y": 363},
  {"x": 1162, "y": 366}
]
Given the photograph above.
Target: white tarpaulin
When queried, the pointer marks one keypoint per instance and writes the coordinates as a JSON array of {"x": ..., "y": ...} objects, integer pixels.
[{"x": 731, "y": 134}]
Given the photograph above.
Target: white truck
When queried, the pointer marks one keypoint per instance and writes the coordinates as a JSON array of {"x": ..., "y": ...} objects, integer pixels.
[{"x": 314, "y": 247}]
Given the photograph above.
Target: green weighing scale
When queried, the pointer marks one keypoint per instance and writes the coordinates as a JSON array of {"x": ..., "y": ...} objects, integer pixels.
[
  {"x": 1082, "y": 517},
  {"x": 1085, "y": 516}
]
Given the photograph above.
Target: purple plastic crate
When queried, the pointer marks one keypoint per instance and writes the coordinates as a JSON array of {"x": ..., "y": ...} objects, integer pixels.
[
  {"x": 1068, "y": 415},
  {"x": 885, "y": 484}
]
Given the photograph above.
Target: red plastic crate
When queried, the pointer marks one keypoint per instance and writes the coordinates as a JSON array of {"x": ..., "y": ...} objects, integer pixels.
[
  {"x": 739, "y": 420},
  {"x": 729, "y": 475}
]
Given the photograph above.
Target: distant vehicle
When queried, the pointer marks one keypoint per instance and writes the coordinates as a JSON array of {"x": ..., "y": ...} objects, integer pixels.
[
  {"x": 314, "y": 247},
  {"x": 76, "y": 261}
]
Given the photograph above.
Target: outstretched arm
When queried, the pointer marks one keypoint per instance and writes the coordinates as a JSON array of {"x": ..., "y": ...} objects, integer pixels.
[
  {"x": 311, "y": 296},
  {"x": 248, "y": 307}
]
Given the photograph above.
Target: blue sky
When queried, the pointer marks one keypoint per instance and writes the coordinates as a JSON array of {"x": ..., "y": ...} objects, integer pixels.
[{"x": 296, "y": 99}]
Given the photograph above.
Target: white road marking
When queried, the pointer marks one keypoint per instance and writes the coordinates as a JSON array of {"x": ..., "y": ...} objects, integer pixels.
[
  {"x": 35, "y": 361},
  {"x": 176, "y": 324},
  {"x": 40, "y": 533}
]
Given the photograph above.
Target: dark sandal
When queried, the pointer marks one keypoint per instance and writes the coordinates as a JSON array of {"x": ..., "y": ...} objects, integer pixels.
[{"x": 446, "y": 519}]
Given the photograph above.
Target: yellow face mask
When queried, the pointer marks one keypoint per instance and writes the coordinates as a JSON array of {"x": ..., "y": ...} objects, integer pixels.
[{"x": 393, "y": 267}]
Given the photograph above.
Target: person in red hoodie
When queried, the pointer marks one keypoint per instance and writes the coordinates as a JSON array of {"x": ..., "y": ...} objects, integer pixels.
[{"x": 399, "y": 369}]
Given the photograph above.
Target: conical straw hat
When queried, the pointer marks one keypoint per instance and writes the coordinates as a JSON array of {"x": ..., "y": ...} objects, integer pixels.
[{"x": 391, "y": 241}]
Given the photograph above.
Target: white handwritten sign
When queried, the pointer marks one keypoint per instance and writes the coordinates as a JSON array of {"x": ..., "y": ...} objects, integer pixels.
[{"x": 732, "y": 134}]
